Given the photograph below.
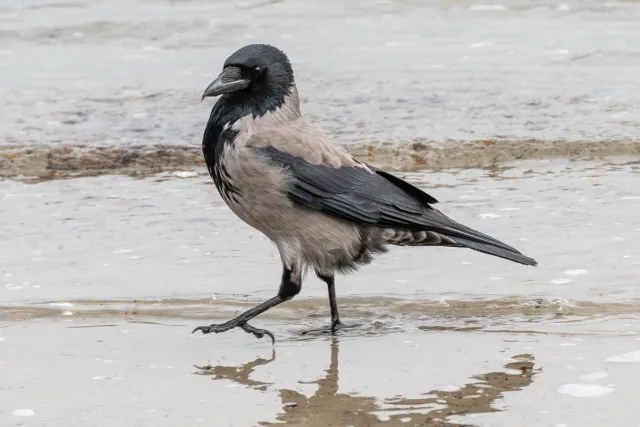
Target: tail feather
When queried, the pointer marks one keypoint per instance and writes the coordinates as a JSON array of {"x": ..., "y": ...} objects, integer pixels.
[
  {"x": 510, "y": 254},
  {"x": 477, "y": 241},
  {"x": 473, "y": 239}
]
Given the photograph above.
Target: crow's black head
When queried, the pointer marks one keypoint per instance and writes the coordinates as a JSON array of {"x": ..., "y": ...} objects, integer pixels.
[{"x": 254, "y": 75}]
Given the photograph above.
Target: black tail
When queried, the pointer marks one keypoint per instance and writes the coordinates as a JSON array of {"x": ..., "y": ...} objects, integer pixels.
[
  {"x": 473, "y": 239},
  {"x": 502, "y": 251}
]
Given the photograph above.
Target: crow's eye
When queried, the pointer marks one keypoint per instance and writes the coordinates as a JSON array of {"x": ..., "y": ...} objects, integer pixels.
[{"x": 257, "y": 71}]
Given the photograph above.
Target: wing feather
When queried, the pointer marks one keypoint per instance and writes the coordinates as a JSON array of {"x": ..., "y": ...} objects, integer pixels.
[{"x": 366, "y": 195}]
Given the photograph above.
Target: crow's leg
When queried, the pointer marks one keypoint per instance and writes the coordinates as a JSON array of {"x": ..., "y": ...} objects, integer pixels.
[
  {"x": 336, "y": 324},
  {"x": 289, "y": 287}
]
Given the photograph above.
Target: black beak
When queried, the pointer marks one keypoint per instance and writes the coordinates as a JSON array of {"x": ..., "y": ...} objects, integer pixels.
[{"x": 229, "y": 80}]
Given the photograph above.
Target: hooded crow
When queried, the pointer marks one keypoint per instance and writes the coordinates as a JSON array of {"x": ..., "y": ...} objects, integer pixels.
[{"x": 321, "y": 207}]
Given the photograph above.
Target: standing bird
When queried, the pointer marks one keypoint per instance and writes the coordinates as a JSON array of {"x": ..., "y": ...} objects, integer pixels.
[{"x": 322, "y": 208}]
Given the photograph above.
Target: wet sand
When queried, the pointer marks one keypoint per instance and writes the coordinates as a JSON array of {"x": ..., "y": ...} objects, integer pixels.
[
  {"x": 103, "y": 278},
  {"x": 41, "y": 163}
]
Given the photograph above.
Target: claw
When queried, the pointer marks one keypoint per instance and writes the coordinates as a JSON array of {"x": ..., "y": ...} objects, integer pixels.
[
  {"x": 203, "y": 329},
  {"x": 223, "y": 327},
  {"x": 259, "y": 333}
]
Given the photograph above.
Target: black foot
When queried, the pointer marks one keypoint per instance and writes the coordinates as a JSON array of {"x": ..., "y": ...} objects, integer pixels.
[
  {"x": 335, "y": 326},
  {"x": 259, "y": 333},
  {"x": 223, "y": 327}
]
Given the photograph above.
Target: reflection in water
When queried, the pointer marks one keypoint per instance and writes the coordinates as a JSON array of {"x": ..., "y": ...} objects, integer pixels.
[
  {"x": 239, "y": 374},
  {"x": 328, "y": 408}
]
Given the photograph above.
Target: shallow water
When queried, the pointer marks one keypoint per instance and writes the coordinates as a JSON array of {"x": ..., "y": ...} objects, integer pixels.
[
  {"x": 102, "y": 279},
  {"x": 100, "y": 237},
  {"x": 100, "y": 372},
  {"x": 129, "y": 73}
]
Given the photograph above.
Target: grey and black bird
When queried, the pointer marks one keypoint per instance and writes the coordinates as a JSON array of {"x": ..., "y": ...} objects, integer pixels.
[{"x": 323, "y": 209}]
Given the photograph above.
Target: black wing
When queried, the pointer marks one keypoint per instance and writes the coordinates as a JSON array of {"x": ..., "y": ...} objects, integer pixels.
[{"x": 378, "y": 198}]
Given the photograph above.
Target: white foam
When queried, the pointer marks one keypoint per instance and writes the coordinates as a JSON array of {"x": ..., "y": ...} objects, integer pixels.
[
  {"x": 631, "y": 357},
  {"x": 576, "y": 272},
  {"x": 185, "y": 174},
  {"x": 449, "y": 388},
  {"x": 531, "y": 304},
  {"x": 629, "y": 198},
  {"x": 595, "y": 376},
  {"x": 67, "y": 313},
  {"x": 484, "y": 7},
  {"x": 60, "y": 304},
  {"x": 443, "y": 301},
  {"x": 509, "y": 209},
  {"x": 561, "y": 303},
  {"x": 23, "y": 413},
  {"x": 585, "y": 390},
  {"x": 489, "y": 216},
  {"x": 560, "y": 281}
]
